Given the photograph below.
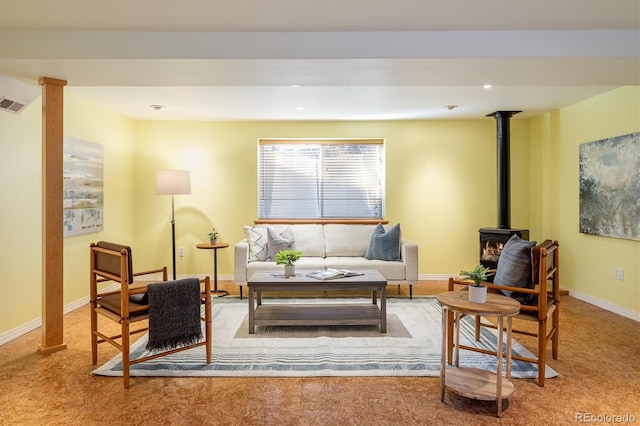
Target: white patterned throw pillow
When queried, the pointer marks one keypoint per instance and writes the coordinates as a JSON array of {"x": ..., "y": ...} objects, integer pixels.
[{"x": 257, "y": 239}]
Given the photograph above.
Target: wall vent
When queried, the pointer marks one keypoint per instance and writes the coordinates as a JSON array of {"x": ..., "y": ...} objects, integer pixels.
[
  {"x": 11, "y": 105},
  {"x": 16, "y": 95}
]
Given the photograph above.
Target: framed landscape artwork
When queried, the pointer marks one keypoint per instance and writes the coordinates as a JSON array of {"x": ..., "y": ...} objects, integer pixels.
[
  {"x": 610, "y": 187},
  {"x": 83, "y": 191}
]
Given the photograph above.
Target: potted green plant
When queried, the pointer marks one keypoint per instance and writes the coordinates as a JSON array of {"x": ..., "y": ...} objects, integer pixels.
[
  {"x": 288, "y": 258},
  {"x": 477, "y": 291},
  {"x": 213, "y": 236}
]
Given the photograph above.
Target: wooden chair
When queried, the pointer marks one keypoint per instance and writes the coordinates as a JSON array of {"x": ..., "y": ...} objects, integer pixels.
[
  {"x": 542, "y": 310},
  {"x": 129, "y": 304}
]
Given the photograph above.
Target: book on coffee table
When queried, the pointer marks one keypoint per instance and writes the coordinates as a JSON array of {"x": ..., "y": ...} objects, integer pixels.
[{"x": 332, "y": 274}]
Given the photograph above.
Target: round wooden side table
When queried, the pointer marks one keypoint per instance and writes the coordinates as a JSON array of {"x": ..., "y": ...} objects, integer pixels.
[
  {"x": 215, "y": 247},
  {"x": 473, "y": 382}
]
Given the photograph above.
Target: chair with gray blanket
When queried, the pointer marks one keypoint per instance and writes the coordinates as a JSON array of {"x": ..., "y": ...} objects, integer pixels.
[{"x": 171, "y": 308}]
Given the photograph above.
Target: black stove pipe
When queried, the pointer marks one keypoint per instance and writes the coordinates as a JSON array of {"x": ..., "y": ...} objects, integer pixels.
[{"x": 503, "y": 159}]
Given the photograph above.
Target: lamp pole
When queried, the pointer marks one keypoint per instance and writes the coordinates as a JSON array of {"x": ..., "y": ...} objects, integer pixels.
[
  {"x": 173, "y": 182},
  {"x": 173, "y": 236}
]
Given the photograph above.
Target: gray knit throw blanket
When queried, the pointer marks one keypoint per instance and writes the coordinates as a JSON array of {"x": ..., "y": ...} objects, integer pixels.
[{"x": 174, "y": 314}]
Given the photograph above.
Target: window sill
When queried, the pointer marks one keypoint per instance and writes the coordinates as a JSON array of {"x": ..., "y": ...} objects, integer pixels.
[{"x": 321, "y": 221}]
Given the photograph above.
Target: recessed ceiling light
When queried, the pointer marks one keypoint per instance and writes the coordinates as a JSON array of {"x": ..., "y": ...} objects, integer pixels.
[
  {"x": 298, "y": 108},
  {"x": 487, "y": 86},
  {"x": 295, "y": 85},
  {"x": 157, "y": 107}
]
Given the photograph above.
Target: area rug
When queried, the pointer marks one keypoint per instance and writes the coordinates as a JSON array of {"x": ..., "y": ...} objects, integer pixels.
[{"x": 411, "y": 347}]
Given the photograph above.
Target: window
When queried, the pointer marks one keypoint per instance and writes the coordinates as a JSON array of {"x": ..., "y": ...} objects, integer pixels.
[{"x": 303, "y": 179}]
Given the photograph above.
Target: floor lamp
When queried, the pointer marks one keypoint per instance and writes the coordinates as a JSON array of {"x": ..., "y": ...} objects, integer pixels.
[{"x": 173, "y": 182}]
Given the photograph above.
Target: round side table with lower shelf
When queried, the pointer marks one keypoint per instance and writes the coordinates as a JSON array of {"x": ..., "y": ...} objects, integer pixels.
[
  {"x": 476, "y": 383},
  {"x": 215, "y": 247}
]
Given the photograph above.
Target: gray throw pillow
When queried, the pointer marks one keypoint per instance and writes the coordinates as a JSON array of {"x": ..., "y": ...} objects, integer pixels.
[
  {"x": 384, "y": 245},
  {"x": 514, "y": 267},
  {"x": 278, "y": 242}
]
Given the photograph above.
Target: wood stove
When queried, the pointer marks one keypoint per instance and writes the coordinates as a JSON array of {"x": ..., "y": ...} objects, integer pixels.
[
  {"x": 491, "y": 242},
  {"x": 493, "y": 239}
]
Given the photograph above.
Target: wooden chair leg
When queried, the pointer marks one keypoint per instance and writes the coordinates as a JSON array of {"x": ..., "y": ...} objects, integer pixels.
[
  {"x": 477, "y": 327},
  {"x": 94, "y": 337},
  {"x": 542, "y": 351},
  {"x": 125, "y": 353},
  {"x": 556, "y": 326}
]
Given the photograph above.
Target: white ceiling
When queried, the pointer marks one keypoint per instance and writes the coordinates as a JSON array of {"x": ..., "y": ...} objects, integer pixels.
[{"x": 350, "y": 59}]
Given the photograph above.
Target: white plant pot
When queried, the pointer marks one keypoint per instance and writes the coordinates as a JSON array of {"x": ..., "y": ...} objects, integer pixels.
[
  {"x": 289, "y": 270},
  {"x": 477, "y": 294}
]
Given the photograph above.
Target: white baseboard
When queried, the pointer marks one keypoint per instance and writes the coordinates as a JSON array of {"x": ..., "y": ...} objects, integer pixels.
[
  {"x": 23, "y": 329},
  {"x": 608, "y": 306},
  {"x": 436, "y": 277}
]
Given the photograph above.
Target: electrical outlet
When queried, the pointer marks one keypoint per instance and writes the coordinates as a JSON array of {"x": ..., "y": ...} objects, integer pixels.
[
  {"x": 181, "y": 251},
  {"x": 620, "y": 274}
]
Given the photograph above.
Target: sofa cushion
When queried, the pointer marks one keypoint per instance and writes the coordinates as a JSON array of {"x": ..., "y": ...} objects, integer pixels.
[
  {"x": 384, "y": 245},
  {"x": 347, "y": 240},
  {"x": 303, "y": 264},
  {"x": 309, "y": 239},
  {"x": 514, "y": 267},
  {"x": 279, "y": 241},
  {"x": 257, "y": 239}
]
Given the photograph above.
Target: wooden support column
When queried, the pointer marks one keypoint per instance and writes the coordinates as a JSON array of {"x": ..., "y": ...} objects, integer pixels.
[{"x": 52, "y": 208}]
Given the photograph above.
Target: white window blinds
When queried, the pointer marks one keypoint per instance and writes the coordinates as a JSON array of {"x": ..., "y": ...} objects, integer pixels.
[{"x": 301, "y": 179}]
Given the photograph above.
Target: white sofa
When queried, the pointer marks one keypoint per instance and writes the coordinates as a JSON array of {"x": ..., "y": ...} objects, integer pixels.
[{"x": 339, "y": 246}]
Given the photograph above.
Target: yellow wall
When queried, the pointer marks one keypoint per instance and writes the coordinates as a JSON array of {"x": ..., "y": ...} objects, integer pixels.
[
  {"x": 88, "y": 121},
  {"x": 441, "y": 184},
  {"x": 441, "y": 187},
  {"x": 20, "y": 203},
  {"x": 588, "y": 262},
  {"x": 20, "y": 216}
]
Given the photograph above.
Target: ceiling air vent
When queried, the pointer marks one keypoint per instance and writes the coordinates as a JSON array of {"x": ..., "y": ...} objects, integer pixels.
[
  {"x": 11, "y": 105},
  {"x": 16, "y": 95}
]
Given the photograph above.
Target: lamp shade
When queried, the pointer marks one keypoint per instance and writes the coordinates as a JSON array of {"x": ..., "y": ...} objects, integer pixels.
[{"x": 173, "y": 182}]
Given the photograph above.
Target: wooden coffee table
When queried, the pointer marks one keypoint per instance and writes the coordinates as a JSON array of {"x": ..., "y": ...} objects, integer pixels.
[{"x": 369, "y": 313}]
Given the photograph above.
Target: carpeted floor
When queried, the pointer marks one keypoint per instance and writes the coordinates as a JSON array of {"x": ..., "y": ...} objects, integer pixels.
[{"x": 598, "y": 367}]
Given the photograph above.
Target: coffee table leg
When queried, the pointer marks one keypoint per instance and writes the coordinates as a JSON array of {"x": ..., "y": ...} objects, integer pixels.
[
  {"x": 252, "y": 312},
  {"x": 445, "y": 347},
  {"x": 383, "y": 309},
  {"x": 499, "y": 353},
  {"x": 508, "y": 347}
]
